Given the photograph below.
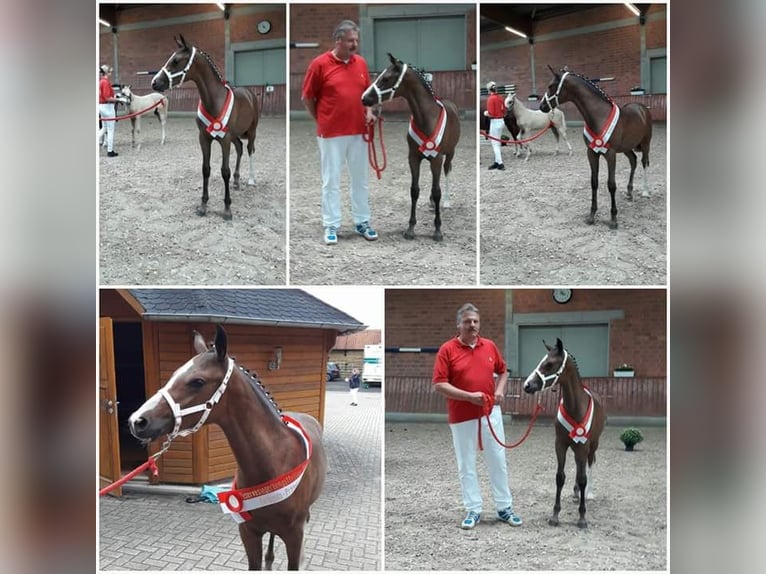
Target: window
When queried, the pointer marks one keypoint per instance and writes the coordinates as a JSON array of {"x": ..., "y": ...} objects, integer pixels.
[
  {"x": 658, "y": 75},
  {"x": 433, "y": 44},
  {"x": 588, "y": 343},
  {"x": 259, "y": 67}
]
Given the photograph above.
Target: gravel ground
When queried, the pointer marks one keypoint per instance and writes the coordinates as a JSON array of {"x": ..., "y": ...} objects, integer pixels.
[
  {"x": 533, "y": 229},
  {"x": 150, "y": 233},
  {"x": 627, "y": 521}
]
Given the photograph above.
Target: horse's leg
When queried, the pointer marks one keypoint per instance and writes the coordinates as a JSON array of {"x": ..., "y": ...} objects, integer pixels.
[
  {"x": 526, "y": 145},
  {"x": 237, "y": 146},
  {"x": 611, "y": 165},
  {"x": 163, "y": 120},
  {"x": 581, "y": 455},
  {"x": 556, "y": 135},
  {"x": 414, "y": 160},
  {"x": 133, "y": 131},
  {"x": 630, "y": 154},
  {"x": 204, "y": 142},
  {"x": 436, "y": 194},
  {"x": 270, "y": 553},
  {"x": 561, "y": 455},
  {"x": 645, "y": 165},
  {"x": 293, "y": 540},
  {"x": 253, "y": 543},
  {"x": 251, "y": 156},
  {"x": 226, "y": 175},
  {"x": 447, "y": 171},
  {"x": 593, "y": 161}
]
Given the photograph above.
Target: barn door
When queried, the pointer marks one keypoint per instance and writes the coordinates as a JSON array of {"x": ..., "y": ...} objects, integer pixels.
[{"x": 109, "y": 440}]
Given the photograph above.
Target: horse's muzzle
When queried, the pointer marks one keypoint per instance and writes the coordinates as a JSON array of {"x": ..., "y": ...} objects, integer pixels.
[{"x": 145, "y": 429}]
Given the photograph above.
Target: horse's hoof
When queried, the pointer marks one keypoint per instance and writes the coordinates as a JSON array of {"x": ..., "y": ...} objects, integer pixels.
[
  {"x": 590, "y": 219},
  {"x": 438, "y": 236},
  {"x": 409, "y": 234},
  {"x": 582, "y": 523},
  {"x": 612, "y": 225},
  {"x": 202, "y": 210},
  {"x": 251, "y": 182},
  {"x": 447, "y": 203},
  {"x": 227, "y": 215},
  {"x": 553, "y": 521}
]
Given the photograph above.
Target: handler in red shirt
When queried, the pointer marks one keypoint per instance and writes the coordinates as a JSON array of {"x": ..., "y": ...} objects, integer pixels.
[
  {"x": 332, "y": 94},
  {"x": 106, "y": 101},
  {"x": 495, "y": 111},
  {"x": 464, "y": 372}
]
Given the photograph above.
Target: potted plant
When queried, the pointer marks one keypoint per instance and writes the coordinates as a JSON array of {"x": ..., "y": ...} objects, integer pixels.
[
  {"x": 624, "y": 370},
  {"x": 631, "y": 437}
]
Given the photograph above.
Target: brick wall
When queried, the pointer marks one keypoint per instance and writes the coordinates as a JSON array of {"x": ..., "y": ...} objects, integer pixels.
[
  {"x": 426, "y": 318},
  {"x": 613, "y": 52}
]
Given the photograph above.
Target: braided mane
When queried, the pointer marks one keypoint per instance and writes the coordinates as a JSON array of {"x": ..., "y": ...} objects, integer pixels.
[
  {"x": 212, "y": 65},
  {"x": 595, "y": 87},
  {"x": 258, "y": 387},
  {"x": 421, "y": 74}
]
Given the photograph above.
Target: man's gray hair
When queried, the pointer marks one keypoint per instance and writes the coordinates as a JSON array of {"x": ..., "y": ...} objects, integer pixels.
[
  {"x": 467, "y": 308},
  {"x": 343, "y": 27}
]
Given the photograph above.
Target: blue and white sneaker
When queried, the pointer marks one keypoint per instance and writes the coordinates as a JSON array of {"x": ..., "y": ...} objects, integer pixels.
[
  {"x": 508, "y": 516},
  {"x": 471, "y": 519},
  {"x": 330, "y": 235},
  {"x": 366, "y": 231}
]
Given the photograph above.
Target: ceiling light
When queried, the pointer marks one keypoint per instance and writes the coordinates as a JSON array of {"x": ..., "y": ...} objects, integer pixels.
[
  {"x": 221, "y": 6},
  {"x": 104, "y": 23},
  {"x": 512, "y": 31},
  {"x": 632, "y": 8}
]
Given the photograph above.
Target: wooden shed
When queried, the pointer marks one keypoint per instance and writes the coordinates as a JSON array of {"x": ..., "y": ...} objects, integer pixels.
[
  {"x": 348, "y": 351},
  {"x": 284, "y": 335}
]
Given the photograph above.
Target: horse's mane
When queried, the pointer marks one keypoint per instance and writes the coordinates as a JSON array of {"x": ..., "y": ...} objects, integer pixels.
[
  {"x": 257, "y": 385},
  {"x": 212, "y": 65},
  {"x": 421, "y": 74},
  {"x": 574, "y": 362},
  {"x": 593, "y": 86}
]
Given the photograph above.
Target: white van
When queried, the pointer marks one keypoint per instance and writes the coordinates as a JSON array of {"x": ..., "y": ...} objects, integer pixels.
[{"x": 372, "y": 369}]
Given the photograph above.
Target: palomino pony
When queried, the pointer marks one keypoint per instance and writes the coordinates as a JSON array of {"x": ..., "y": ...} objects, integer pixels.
[
  {"x": 147, "y": 102},
  {"x": 224, "y": 113},
  {"x": 280, "y": 458},
  {"x": 433, "y": 133},
  {"x": 534, "y": 121},
  {"x": 579, "y": 423},
  {"x": 609, "y": 130}
]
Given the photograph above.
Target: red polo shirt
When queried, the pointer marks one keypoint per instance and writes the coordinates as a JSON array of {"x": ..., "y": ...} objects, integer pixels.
[
  {"x": 337, "y": 87},
  {"x": 468, "y": 369},
  {"x": 495, "y": 106},
  {"x": 105, "y": 90}
]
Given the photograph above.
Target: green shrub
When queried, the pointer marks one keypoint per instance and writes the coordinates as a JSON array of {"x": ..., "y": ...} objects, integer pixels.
[{"x": 631, "y": 436}]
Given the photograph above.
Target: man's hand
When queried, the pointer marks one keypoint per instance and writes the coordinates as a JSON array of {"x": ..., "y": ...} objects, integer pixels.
[
  {"x": 476, "y": 398},
  {"x": 499, "y": 396},
  {"x": 369, "y": 116}
]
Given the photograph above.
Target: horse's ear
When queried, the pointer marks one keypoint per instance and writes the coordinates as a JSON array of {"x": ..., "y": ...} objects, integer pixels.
[
  {"x": 552, "y": 70},
  {"x": 559, "y": 345},
  {"x": 220, "y": 343},
  {"x": 547, "y": 346},
  {"x": 182, "y": 43},
  {"x": 199, "y": 343},
  {"x": 392, "y": 58}
]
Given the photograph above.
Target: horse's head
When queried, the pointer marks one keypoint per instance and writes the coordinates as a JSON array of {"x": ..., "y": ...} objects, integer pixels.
[
  {"x": 385, "y": 85},
  {"x": 177, "y": 66},
  {"x": 549, "y": 369},
  {"x": 126, "y": 92},
  {"x": 553, "y": 91},
  {"x": 509, "y": 100},
  {"x": 193, "y": 390}
]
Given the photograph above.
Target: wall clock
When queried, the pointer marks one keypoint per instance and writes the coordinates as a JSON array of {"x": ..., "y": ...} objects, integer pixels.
[
  {"x": 264, "y": 27},
  {"x": 562, "y": 295}
]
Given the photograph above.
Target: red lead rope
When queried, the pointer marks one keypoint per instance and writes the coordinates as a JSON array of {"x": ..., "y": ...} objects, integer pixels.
[
  {"x": 487, "y": 409},
  {"x": 517, "y": 142},
  {"x": 134, "y": 114},
  {"x": 369, "y": 137},
  {"x": 151, "y": 464}
]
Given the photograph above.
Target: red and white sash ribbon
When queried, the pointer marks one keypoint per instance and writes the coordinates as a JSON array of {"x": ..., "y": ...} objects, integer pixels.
[
  {"x": 578, "y": 431},
  {"x": 429, "y": 146},
  {"x": 600, "y": 142},
  {"x": 238, "y": 502},
  {"x": 217, "y": 127}
]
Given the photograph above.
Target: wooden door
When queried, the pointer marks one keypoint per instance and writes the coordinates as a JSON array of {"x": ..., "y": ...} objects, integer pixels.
[{"x": 109, "y": 439}]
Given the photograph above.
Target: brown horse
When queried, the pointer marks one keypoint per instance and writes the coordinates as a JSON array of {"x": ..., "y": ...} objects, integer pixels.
[
  {"x": 579, "y": 423},
  {"x": 433, "y": 134},
  {"x": 609, "y": 130},
  {"x": 224, "y": 113},
  {"x": 268, "y": 446}
]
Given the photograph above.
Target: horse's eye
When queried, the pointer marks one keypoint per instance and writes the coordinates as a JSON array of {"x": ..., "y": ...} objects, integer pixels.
[{"x": 196, "y": 383}]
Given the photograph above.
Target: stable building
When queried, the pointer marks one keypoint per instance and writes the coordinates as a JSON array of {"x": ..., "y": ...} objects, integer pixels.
[{"x": 284, "y": 335}]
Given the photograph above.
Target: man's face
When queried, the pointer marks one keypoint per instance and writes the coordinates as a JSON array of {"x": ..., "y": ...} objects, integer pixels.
[
  {"x": 469, "y": 325},
  {"x": 348, "y": 44}
]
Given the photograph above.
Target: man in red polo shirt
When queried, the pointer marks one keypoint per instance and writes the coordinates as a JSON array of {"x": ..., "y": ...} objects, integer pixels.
[
  {"x": 495, "y": 111},
  {"x": 465, "y": 370},
  {"x": 332, "y": 94},
  {"x": 106, "y": 101}
]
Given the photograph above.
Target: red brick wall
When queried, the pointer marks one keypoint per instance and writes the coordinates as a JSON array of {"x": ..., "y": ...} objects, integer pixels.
[
  {"x": 615, "y": 52},
  {"x": 427, "y": 318}
]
